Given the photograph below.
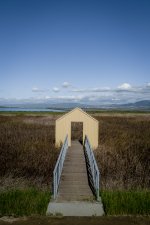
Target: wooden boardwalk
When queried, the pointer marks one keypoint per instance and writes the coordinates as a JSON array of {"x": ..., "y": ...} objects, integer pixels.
[
  {"x": 74, "y": 184},
  {"x": 75, "y": 197}
]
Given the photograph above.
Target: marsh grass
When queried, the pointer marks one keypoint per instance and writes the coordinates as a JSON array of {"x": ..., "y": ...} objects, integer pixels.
[
  {"x": 27, "y": 149},
  {"x": 24, "y": 202},
  {"x": 123, "y": 154},
  {"x": 28, "y": 156},
  {"x": 126, "y": 202}
]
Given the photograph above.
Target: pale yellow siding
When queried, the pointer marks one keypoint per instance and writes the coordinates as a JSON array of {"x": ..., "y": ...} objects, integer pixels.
[{"x": 90, "y": 127}]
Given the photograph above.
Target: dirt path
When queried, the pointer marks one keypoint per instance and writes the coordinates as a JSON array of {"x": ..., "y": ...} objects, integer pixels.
[{"x": 126, "y": 220}]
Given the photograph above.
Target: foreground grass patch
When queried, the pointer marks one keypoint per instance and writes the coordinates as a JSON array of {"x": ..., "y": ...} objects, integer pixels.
[
  {"x": 34, "y": 202},
  {"x": 126, "y": 202},
  {"x": 24, "y": 202}
]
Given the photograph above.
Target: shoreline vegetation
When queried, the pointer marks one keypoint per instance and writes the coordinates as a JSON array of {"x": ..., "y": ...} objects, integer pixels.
[{"x": 28, "y": 156}]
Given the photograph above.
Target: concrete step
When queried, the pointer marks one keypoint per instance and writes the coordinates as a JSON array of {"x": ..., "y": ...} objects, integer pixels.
[{"x": 75, "y": 209}]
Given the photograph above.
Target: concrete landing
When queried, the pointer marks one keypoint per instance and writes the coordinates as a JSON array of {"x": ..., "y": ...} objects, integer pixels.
[{"x": 75, "y": 209}]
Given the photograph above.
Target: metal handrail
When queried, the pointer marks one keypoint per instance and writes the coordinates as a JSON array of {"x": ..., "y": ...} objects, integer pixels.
[
  {"x": 94, "y": 171},
  {"x": 58, "y": 167}
]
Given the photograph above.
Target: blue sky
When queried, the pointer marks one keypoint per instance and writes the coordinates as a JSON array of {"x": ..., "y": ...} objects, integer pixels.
[{"x": 77, "y": 50}]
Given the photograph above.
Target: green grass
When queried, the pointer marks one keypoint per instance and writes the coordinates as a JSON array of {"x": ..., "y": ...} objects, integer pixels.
[
  {"x": 34, "y": 202},
  {"x": 126, "y": 202},
  {"x": 24, "y": 202}
]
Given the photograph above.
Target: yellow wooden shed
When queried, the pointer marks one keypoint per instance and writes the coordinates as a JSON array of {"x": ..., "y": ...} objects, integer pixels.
[{"x": 90, "y": 127}]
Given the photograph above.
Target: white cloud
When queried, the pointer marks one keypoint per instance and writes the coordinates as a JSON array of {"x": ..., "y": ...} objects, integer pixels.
[
  {"x": 125, "y": 86},
  {"x": 115, "y": 99},
  {"x": 148, "y": 85},
  {"x": 79, "y": 90},
  {"x": 105, "y": 89},
  {"x": 65, "y": 84},
  {"x": 69, "y": 97},
  {"x": 36, "y": 89},
  {"x": 56, "y": 89},
  {"x": 48, "y": 97},
  {"x": 100, "y": 89},
  {"x": 95, "y": 95}
]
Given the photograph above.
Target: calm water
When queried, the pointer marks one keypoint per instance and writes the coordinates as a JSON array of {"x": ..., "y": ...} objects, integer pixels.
[{"x": 11, "y": 109}]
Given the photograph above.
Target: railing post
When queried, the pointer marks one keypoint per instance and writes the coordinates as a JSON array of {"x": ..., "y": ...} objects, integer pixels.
[
  {"x": 58, "y": 167},
  {"x": 93, "y": 167}
]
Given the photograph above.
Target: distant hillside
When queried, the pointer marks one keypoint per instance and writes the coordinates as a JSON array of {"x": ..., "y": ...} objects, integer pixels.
[
  {"x": 140, "y": 105},
  {"x": 69, "y": 105},
  {"x": 145, "y": 104}
]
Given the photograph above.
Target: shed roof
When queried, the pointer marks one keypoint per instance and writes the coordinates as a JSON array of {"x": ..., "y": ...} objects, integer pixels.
[{"x": 79, "y": 109}]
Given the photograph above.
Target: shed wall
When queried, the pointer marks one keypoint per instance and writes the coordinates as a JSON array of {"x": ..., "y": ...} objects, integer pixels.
[{"x": 90, "y": 127}]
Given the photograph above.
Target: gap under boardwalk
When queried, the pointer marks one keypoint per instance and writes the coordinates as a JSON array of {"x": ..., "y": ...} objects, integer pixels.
[{"x": 75, "y": 197}]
